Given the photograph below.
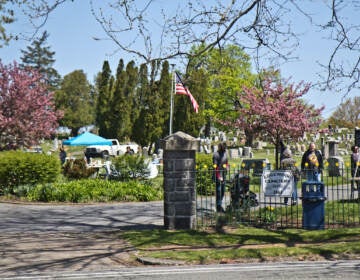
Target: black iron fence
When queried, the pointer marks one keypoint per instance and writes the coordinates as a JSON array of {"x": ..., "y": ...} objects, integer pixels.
[{"x": 333, "y": 202}]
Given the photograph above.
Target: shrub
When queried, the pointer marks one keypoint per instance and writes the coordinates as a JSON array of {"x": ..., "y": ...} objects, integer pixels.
[
  {"x": 94, "y": 190},
  {"x": 205, "y": 170},
  {"x": 21, "y": 168},
  {"x": 76, "y": 169},
  {"x": 131, "y": 166}
]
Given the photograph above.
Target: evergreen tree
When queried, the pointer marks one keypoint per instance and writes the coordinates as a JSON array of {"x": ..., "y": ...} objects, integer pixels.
[
  {"x": 123, "y": 100},
  {"x": 129, "y": 90},
  {"x": 165, "y": 89},
  {"x": 118, "y": 102},
  {"x": 103, "y": 109},
  {"x": 75, "y": 99},
  {"x": 149, "y": 127},
  {"x": 39, "y": 56}
]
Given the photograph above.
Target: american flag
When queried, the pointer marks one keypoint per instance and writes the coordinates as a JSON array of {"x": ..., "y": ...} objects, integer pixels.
[{"x": 181, "y": 89}]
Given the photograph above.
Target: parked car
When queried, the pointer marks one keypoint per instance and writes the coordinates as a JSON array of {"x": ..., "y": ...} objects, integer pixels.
[{"x": 115, "y": 149}]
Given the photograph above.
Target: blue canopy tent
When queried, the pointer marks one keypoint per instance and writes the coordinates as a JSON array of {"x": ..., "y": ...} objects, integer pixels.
[{"x": 87, "y": 139}]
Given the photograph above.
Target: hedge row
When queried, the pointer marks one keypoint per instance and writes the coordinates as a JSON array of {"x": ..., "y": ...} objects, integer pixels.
[
  {"x": 21, "y": 168},
  {"x": 93, "y": 190}
]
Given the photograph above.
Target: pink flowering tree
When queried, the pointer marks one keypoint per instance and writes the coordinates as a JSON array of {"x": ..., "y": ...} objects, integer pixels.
[
  {"x": 276, "y": 111},
  {"x": 27, "y": 111}
]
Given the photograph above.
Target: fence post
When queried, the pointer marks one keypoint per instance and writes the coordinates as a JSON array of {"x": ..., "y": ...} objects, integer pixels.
[{"x": 179, "y": 180}]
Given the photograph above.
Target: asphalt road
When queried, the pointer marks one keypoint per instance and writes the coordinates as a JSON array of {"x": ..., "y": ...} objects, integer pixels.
[
  {"x": 80, "y": 218},
  {"x": 349, "y": 270},
  {"x": 49, "y": 239},
  {"x": 41, "y": 241}
]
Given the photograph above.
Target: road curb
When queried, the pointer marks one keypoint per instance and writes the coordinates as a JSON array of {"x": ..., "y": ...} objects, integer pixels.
[{"x": 155, "y": 261}]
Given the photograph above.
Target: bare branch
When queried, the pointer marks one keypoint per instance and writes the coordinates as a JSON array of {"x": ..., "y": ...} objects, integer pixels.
[{"x": 264, "y": 28}]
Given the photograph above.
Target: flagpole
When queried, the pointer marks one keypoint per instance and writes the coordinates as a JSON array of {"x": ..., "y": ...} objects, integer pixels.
[{"x": 172, "y": 92}]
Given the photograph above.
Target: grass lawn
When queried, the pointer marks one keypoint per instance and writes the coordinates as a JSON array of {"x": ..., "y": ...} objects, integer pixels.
[{"x": 246, "y": 244}]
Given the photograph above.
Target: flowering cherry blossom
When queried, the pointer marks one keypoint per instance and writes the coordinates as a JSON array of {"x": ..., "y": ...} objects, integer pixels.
[{"x": 27, "y": 111}]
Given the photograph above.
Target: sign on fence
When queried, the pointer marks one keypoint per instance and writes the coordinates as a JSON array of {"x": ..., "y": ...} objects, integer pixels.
[{"x": 277, "y": 183}]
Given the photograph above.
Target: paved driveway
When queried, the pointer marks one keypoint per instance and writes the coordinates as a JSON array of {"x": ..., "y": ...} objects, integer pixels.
[
  {"x": 41, "y": 238},
  {"x": 80, "y": 218}
]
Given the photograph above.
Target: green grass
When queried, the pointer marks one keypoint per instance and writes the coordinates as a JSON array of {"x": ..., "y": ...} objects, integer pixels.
[{"x": 252, "y": 244}]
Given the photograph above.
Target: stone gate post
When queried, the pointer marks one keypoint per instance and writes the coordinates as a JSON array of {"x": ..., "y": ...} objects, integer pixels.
[{"x": 179, "y": 180}]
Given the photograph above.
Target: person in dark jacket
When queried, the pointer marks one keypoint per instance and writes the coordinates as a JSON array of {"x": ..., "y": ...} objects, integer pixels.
[
  {"x": 62, "y": 155},
  {"x": 312, "y": 163},
  {"x": 220, "y": 162},
  {"x": 355, "y": 162}
]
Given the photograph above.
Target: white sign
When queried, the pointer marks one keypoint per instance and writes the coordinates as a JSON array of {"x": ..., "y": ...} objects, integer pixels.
[{"x": 277, "y": 183}]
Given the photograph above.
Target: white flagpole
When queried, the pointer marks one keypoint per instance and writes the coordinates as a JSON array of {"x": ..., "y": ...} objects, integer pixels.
[{"x": 172, "y": 92}]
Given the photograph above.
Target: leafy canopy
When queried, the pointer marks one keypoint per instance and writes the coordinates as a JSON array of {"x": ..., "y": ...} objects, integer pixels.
[{"x": 27, "y": 112}]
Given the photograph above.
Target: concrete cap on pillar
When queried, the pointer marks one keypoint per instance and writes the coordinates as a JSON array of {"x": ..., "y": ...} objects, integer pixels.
[{"x": 180, "y": 141}]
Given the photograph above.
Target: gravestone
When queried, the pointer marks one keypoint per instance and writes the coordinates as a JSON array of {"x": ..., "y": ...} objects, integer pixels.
[
  {"x": 246, "y": 151},
  {"x": 240, "y": 151},
  {"x": 333, "y": 148},
  {"x": 257, "y": 165},
  {"x": 336, "y": 166},
  {"x": 234, "y": 153}
]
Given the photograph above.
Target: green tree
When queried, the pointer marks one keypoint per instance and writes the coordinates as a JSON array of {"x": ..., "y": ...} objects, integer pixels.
[
  {"x": 39, "y": 56},
  {"x": 119, "y": 103},
  {"x": 104, "y": 83},
  {"x": 151, "y": 118},
  {"x": 215, "y": 78},
  {"x": 185, "y": 119},
  {"x": 165, "y": 89},
  {"x": 347, "y": 114},
  {"x": 75, "y": 99},
  {"x": 140, "y": 133},
  {"x": 229, "y": 70},
  {"x": 6, "y": 17},
  {"x": 123, "y": 102}
]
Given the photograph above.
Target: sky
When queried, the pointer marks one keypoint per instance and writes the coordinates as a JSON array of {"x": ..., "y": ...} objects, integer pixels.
[{"x": 72, "y": 30}]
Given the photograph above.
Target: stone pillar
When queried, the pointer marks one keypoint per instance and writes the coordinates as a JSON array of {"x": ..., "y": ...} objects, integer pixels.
[{"x": 179, "y": 180}]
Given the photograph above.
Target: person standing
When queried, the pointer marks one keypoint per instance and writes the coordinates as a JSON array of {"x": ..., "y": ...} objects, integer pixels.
[
  {"x": 289, "y": 163},
  {"x": 355, "y": 161},
  {"x": 312, "y": 163},
  {"x": 129, "y": 151},
  {"x": 220, "y": 162},
  {"x": 62, "y": 155}
]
